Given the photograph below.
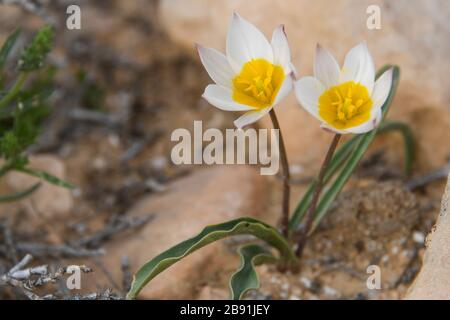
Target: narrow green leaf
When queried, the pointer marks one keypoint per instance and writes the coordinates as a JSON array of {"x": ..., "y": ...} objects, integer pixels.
[
  {"x": 338, "y": 160},
  {"x": 383, "y": 69},
  {"x": 47, "y": 177},
  {"x": 331, "y": 194},
  {"x": 7, "y": 46},
  {"x": 21, "y": 194},
  {"x": 210, "y": 234},
  {"x": 14, "y": 91},
  {"x": 246, "y": 277},
  {"x": 408, "y": 139}
]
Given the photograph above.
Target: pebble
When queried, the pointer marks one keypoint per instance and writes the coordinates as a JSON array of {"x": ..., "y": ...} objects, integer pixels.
[
  {"x": 296, "y": 169},
  {"x": 418, "y": 237},
  {"x": 159, "y": 163},
  {"x": 330, "y": 291},
  {"x": 306, "y": 282},
  {"x": 395, "y": 250},
  {"x": 114, "y": 140}
]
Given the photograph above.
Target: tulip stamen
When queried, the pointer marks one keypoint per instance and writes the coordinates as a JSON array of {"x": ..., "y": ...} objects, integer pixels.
[
  {"x": 258, "y": 83},
  {"x": 345, "y": 105}
]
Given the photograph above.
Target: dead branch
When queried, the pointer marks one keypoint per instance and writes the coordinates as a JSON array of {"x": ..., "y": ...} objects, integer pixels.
[
  {"x": 27, "y": 279},
  {"x": 425, "y": 179},
  {"x": 113, "y": 228},
  {"x": 51, "y": 250}
]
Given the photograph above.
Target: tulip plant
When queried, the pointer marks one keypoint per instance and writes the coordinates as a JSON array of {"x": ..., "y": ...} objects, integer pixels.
[
  {"x": 254, "y": 76},
  {"x": 23, "y": 106}
]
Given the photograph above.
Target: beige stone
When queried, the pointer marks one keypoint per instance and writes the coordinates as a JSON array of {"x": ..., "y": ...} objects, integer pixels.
[{"x": 433, "y": 281}]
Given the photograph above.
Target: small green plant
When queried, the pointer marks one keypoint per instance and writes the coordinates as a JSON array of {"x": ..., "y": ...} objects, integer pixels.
[
  {"x": 23, "y": 107},
  {"x": 254, "y": 77}
]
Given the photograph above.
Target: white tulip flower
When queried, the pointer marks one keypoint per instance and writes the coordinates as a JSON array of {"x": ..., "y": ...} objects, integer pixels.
[
  {"x": 346, "y": 100},
  {"x": 253, "y": 76}
]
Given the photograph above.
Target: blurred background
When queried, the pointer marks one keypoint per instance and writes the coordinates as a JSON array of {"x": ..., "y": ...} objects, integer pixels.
[{"x": 131, "y": 75}]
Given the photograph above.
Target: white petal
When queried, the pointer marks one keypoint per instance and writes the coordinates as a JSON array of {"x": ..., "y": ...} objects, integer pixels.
[
  {"x": 221, "y": 97},
  {"x": 308, "y": 90},
  {"x": 381, "y": 89},
  {"x": 281, "y": 51},
  {"x": 245, "y": 42},
  {"x": 326, "y": 69},
  {"x": 369, "y": 125},
  {"x": 217, "y": 65},
  {"x": 378, "y": 117},
  {"x": 294, "y": 70},
  {"x": 285, "y": 88},
  {"x": 359, "y": 67},
  {"x": 329, "y": 128},
  {"x": 250, "y": 117}
]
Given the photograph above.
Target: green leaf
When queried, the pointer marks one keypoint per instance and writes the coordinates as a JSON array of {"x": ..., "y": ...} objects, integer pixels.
[
  {"x": 35, "y": 53},
  {"x": 21, "y": 194},
  {"x": 42, "y": 87},
  {"x": 342, "y": 154},
  {"x": 14, "y": 91},
  {"x": 9, "y": 145},
  {"x": 24, "y": 121},
  {"x": 27, "y": 123},
  {"x": 408, "y": 138},
  {"x": 246, "y": 278},
  {"x": 210, "y": 234},
  {"x": 331, "y": 194},
  {"x": 47, "y": 177},
  {"x": 7, "y": 47},
  {"x": 337, "y": 161}
]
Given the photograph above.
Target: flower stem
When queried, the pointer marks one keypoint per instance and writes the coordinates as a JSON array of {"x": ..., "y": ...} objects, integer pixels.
[
  {"x": 309, "y": 217},
  {"x": 286, "y": 176}
]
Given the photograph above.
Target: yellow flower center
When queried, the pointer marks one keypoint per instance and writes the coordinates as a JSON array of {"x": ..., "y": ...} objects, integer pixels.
[
  {"x": 258, "y": 83},
  {"x": 346, "y": 105}
]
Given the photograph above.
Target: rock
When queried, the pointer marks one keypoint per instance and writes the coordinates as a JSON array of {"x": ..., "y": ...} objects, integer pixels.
[
  {"x": 433, "y": 280},
  {"x": 206, "y": 197},
  {"x": 49, "y": 201},
  {"x": 411, "y": 36}
]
